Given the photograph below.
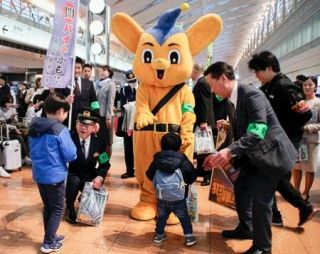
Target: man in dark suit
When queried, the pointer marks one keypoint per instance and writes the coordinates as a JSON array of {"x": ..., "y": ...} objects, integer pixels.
[
  {"x": 203, "y": 110},
  {"x": 83, "y": 92},
  {"x": 261, "y": 150},
  {"x": 90, "y": 151},
  {"x": 283, "y": 96}
]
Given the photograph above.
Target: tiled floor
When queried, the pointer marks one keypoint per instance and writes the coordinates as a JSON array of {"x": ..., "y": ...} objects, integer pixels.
[{"x": 21, "y": 223}]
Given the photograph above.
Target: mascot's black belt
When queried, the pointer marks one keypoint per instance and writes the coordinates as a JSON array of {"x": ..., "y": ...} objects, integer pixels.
[{"x": 159, "y": 127}]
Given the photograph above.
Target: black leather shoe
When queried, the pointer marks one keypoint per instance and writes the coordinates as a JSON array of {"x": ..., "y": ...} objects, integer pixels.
[
  {"x": 306, "y": 214},
  {"x": 256, "y": 250},
  {"x": 237, "y": 234},
  {"x": 71, "y": 215},
  {"x": 205, "y": 182},
  {"x": 125, "y": 176},
  {"x": 277, "y": 221},
  {"x": 276, "y": 218}
]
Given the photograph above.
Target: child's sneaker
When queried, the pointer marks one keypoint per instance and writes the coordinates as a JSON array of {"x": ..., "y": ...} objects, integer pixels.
[
  {"x": 60, "y": 238},
  {"x": 190, "y": 240},
  {"x": 47, "y": 248},
  {"x": 160, "y": 238}
]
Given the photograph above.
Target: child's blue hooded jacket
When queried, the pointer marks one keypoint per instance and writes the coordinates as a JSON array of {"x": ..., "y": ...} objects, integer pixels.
[{"x": 51, "y": 147}]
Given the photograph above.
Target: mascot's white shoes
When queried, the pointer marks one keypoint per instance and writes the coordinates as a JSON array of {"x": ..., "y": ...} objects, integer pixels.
[{"x": 4, "y": 173}]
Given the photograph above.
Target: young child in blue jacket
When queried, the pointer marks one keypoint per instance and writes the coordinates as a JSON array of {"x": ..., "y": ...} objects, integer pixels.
[{"x": 51, "y": 147}]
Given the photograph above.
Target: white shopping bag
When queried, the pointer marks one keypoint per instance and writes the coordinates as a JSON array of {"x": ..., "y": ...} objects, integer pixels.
[
  {"x": 203, "y": 141},
  {"x": 192, "y": 203},
  {"x": 92, "y": 205}
]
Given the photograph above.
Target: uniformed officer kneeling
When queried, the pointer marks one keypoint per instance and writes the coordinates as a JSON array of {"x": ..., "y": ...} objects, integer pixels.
[{"x": 91, "y": 165}]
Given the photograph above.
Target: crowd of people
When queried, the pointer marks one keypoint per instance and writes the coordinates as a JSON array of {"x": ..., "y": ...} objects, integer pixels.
[{"x": 272, "y": 132}]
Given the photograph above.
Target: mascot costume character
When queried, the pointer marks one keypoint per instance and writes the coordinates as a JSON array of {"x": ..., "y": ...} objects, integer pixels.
[{"x": 162, "y": 61}]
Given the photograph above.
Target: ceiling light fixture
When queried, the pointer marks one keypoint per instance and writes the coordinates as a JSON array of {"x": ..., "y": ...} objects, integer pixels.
[
  {"x": 96, "y": 48},
  {"x": 97, "y": 6},
  {"x": 96, "y": 27}
]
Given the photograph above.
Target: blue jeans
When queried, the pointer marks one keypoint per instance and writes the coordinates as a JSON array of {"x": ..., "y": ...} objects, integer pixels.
[
  {"x": 179, "y": 208},
  {"x": 52, "y": 196}
]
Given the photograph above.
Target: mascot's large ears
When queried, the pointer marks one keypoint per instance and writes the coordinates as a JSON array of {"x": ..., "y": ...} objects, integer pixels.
[
  {"x": 203, "y": 31},
  {"x": 127, "y": 30}
]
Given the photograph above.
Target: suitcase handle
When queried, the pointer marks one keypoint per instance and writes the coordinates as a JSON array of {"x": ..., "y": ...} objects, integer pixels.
[{"x": 8, "y": 126}]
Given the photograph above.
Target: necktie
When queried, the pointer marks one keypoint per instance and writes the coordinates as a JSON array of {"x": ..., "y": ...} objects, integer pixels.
[
  {"x": 77, "y": 87},
  {"x": 83, "y": 147}
]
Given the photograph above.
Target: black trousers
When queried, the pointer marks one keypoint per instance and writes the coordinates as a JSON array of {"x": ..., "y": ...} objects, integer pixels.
[
  {"x": 254, "y": 193},
  {"x": 290, "y": 194},
  {"x": 74, "y": 184},
  {"x": 128, "y": 154},
  {"x": 200, "y": 170}
]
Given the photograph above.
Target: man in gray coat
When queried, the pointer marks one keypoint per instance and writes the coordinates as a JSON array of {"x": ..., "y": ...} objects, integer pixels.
[{"x": 261, "y": 150}]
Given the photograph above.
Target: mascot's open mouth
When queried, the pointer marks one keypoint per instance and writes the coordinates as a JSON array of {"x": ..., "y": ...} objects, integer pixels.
[{"x": 160, "y": 74}]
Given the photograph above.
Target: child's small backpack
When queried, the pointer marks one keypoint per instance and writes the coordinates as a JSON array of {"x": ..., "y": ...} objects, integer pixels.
[{"x": 169, "y": 186}]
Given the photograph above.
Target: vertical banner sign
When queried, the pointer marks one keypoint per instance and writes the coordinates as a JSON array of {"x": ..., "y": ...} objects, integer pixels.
[{"x": 58, "y": 65}]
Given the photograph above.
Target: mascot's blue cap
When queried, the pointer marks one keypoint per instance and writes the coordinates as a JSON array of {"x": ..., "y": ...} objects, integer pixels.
[{"x": 166, "y": 24}]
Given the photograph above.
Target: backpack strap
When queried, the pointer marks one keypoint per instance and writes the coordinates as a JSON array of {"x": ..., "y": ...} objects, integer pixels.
[
  {"x": 166, "y": 98},
  {"x": 179, "y": 167}
]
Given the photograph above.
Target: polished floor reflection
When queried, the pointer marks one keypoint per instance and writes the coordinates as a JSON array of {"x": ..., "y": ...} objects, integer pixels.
[{"x": 21, "y": 223}]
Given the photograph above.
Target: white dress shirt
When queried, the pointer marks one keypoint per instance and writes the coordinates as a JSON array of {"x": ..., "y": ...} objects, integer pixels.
[{"x": 234, "y": 94}]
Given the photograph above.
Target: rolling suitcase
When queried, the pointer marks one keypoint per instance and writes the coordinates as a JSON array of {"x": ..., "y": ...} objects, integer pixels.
[{"x": 11, "y": 151}]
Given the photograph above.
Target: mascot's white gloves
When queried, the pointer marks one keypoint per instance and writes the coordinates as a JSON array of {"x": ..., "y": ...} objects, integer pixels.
[{"x": 146, "y": 119}]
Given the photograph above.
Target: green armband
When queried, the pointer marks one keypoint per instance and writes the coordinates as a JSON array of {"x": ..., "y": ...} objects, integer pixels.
[
  {"x": 187, "y": 108},
  {"x": 94, "y": 105},
  {"x": 259, "y": 129},
  {"x": 103, "y": 158}
]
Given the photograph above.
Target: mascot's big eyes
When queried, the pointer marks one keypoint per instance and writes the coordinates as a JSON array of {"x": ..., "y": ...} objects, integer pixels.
[
  {"x": 147, "y": 56},
  {"x": 174, "y": 56}
]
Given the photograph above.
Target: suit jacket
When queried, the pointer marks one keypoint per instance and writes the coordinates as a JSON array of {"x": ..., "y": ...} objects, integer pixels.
[
  {"x": 203, "y": 103},
  {"x": 106, "y": 92},
  {"x": 275, "y": 154},
  {"x": 83, "y": 101},
  {"x": 86, "y": 168}
]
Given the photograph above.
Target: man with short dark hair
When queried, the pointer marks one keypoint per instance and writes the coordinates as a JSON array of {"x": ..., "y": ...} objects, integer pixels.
[
  {"x": 87, "y": 71},
  {"x": 84, "y": 93},
  {"x": 261, "y": 150},
  {"x": 284, "y": 98}
]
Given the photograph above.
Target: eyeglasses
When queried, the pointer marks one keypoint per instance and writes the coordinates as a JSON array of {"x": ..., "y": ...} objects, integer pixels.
[{"x": 85, "y": 125}]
